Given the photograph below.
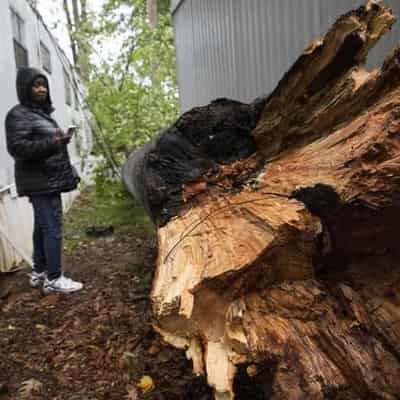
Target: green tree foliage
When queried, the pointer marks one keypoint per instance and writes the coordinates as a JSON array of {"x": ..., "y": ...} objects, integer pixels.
[
  {"x": 132, "y": 84},
  {"x": 79, "y": 29}
]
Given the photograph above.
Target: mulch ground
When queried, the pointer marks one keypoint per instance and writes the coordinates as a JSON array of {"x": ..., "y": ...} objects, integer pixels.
[{"x": 97, "y": 343}]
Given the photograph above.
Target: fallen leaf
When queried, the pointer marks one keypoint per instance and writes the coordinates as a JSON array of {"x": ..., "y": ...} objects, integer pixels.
[
  {"x": 146, "y": 384},
  {"x": 132, "y": 394},
  {"x": 93, "y": 347},
  {"x": 127, "y": 355},
  {"x": 72, "y": 355},
  {"x": 49, "y": 300},
  {"x": 30, "y": 388},
  {"x": 153, "y": 349}
]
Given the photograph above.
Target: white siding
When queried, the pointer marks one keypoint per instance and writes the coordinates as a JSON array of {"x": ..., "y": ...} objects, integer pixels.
[{"x": 16, "y": 220}]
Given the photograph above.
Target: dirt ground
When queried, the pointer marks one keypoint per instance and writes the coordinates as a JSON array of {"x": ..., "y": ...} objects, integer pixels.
[{"x": 96, "y": 344}]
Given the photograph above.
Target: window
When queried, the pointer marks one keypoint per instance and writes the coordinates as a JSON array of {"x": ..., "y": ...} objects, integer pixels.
[
  {"x": 21, "y": 55},
  {"x": 76, "y": 100},
  {"x": 18, "y": 26},
  {"x": 46, "y": 59},
  {"x": 20, "y": 52},
  {"x": 67, "y": 87}
]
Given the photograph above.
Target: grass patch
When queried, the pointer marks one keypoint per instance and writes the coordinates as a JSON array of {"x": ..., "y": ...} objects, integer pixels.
[{"x": 106, "y": 204}]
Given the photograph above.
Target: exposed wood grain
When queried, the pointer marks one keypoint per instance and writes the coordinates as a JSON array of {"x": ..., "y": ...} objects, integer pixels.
[{"x": 286, "y": 286}]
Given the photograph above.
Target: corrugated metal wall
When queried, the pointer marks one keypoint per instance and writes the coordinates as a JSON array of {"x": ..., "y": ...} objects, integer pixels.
[{"x": 241, "y": 48}]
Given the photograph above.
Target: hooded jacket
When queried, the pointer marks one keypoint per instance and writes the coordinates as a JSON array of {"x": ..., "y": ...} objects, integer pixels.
[{"x": 41, "y": 166}]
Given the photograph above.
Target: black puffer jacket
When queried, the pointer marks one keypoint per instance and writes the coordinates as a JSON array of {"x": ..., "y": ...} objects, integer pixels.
[{"x": 41, "y": 167}]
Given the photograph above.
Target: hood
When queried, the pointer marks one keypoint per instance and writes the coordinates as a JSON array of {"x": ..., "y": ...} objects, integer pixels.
[{"x": 25, "y": 78}]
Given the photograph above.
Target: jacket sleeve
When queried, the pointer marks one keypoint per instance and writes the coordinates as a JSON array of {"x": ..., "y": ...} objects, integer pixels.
[{"x": 20, "y": 142}]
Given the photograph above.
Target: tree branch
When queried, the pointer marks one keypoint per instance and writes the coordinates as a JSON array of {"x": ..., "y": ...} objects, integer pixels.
[{"x": 70, "y": 28}]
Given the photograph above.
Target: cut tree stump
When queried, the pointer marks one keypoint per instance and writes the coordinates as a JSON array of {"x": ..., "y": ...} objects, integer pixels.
[{"x": 279, "y": 265}]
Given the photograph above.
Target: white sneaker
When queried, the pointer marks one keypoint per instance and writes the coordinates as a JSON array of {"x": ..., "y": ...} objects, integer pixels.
[
  {"x": 61, "y": 285},
  {"x": 36, "y": 279}
]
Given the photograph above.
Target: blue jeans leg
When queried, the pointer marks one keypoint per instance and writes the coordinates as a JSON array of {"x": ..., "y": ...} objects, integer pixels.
[
  {"x": 47, "y": 241},
  {"x": 39, "y": 257}
]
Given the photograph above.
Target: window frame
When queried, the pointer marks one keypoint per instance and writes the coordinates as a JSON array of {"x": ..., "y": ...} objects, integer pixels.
[
  {"x": 67, "y": 87},
  {"x": 18, "y": 50},
  {"x": 18, "y": 26},
  {"x": 76, "y": 99},
  {"x": 44, "y": 53},
  {"x": 18, "y": 34}
]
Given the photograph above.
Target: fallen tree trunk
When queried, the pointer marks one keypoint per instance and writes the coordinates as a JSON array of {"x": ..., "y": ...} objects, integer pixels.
[{"x": 278, "y": 265}]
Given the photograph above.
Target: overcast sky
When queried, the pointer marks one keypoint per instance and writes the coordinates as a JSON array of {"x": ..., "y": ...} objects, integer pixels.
[{"x": 54, "y": 17}]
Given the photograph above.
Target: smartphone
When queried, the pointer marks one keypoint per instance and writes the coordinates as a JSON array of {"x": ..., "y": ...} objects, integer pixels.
[{"x": 71, "y": 130}]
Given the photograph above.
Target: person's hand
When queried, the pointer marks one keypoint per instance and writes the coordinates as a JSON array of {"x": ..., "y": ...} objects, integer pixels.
[
  {"x": 71, "y": 130},
  {"x": 61, "y": 139}
]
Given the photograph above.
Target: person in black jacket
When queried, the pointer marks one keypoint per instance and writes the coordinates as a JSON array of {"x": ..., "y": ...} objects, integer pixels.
[{"x": 42, "y": 172}]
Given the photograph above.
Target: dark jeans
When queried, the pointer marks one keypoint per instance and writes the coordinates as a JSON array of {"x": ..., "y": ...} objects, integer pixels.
[{"x": 47, "y": 234}]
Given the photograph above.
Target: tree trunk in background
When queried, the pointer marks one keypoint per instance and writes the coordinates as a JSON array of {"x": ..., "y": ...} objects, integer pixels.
[
  {"x": 70, "y": 26},
  {"x": 84, "y": 9},
  {"x": 279, "y": 273},
  {"x": 77, "y": 23},
  {"x": 76, "y": 13},
  {"x": 84, "y": 45},
  {"x": 152, "y": 13}
]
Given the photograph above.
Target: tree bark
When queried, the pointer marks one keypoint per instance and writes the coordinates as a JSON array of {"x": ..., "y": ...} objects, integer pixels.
[
  {"x": 279, "y": 273},
  {"x": 152, "y": 13},
  {"x": 84, "y": 10},
  {"x": 76, "y": 13},
  {"x": 70, "y": 26},
  {"x": 77, "y": 23}
]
